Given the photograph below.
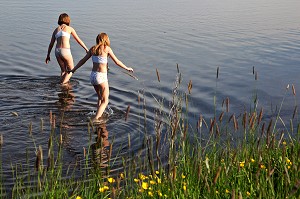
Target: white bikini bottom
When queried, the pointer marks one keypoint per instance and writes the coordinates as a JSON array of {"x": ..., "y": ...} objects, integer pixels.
[{"x": 97, "y": 78}]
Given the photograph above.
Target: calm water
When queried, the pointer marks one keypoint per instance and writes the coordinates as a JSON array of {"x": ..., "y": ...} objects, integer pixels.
[{"x": 198, "y": 35}]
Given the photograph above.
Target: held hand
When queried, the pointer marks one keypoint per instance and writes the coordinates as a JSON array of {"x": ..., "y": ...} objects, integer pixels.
[{"x": 70, "y": 71}]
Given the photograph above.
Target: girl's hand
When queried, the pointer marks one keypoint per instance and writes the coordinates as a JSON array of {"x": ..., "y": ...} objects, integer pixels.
[
  {"x": 70, "y": 71},
  {"x": 130, "y": 70}
]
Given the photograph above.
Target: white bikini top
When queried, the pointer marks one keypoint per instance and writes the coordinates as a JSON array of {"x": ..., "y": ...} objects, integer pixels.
[
  {"x": 62, "y": 33},
  {"x": 99, "y": 59}
]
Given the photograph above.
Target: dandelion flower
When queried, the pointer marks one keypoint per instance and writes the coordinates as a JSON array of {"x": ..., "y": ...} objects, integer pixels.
[
  {"x": 284, "y": 142},
  {"x": 217, "y": 192},
  {"x": 103, "y": 189},
  {"x": 262, "y": 166},
  {"x": 159, "y": 193},
  {"x": 158, "y": 180},
  {"x": 183, "y": 176},
  {"x": 227, "y": 191},
  {"x": 122, "y": 176},
  {"x": 150, "y": 193},
  {"x": 136, "y": 180},
  {"x": 152, "y": 182},
  {"x": 111, "y": 180},
  {"x": 142, "y": 177},
  {"x": 145, "y": 185},
  {"x": 157, "y": 172},
  {"x": 184, "y": 187},
  {"x": 252, "y": 160},
  {"x": 78, "y": 197},
  {"x": 242, "y": 164},
  {"x": 248, "y": 193}
]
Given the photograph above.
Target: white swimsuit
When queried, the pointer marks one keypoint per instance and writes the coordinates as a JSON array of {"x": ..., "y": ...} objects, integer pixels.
[
  {"x": 62, "y": 51},
  {"x": 97, "y": 78}
]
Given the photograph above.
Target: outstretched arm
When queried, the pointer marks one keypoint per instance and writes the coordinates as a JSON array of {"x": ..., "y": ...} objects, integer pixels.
[
  {"x": 81, "y": 62},
  {"x": 118, "y": 62},
  {"x": 50, "y": 48},
  {"x": 79, "y": 41}
]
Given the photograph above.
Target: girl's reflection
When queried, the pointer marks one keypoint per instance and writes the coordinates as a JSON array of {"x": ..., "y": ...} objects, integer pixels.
[
  {"x": 100, "y": 149},
  {"x": 66, "y": 97}
]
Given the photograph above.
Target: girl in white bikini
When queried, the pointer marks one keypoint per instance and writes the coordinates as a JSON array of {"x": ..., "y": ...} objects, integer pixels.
[
  {"x": 62, "y": 51},
  {"x": 98, "y": 77}
]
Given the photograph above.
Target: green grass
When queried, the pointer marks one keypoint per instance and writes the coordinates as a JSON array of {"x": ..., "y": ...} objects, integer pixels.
[{"x": 262, "y": 163}]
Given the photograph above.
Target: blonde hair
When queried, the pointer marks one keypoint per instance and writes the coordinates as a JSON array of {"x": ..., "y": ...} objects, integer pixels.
[
  {"x": 102, "y": 40},
  {"x": 64, "y": 19}
]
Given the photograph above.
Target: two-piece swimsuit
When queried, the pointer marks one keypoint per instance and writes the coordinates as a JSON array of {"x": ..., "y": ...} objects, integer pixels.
[
  {"x": 62, "y": 51},
  {"x": 96, "y": 77}
]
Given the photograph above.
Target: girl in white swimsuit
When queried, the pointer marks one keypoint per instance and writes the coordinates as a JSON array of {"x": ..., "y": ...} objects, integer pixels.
[
  {"x": 99, "y": 53},
  {"x": 63, "y": 54}
]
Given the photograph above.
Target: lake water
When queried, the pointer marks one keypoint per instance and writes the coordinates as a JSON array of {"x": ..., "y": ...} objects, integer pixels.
[{"x": 198, "y": 35}]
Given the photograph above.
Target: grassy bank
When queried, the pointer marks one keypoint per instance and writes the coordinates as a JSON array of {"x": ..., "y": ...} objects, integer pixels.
[{"x": 179, "y": 162}]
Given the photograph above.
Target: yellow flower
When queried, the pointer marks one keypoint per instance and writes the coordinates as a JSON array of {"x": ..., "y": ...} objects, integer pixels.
[
  {"x": 152, "y": 182},
  {"x": 183, "y": 176},
  {"x": 78, "y": 197},
  {"x": 227, "y": 191},
  {"x": 217, "y": 192},
  {"x": 136, "y": 180},
  {"x": 150, "y": 193},
  {"x": 242, "y": 164},
  {"x": 111, "y": 180},
  {"x": 284, "y": 142},
  {"x": 145, "y": 185},
  {"x": 157, "y": 172},
  {"x": 252, "y": 160},
  {"x": 142, "y": 177},
  {"x": 262, "y": 166},
  {"x": 248, "y": 193},
  {"x": 184, "y": 187},
  {"x": 122, "y": 175},
  {"x": 159, "y": 193},
  {"x": 103, "y": 189},
  {"x": 289, "y": 167},
  {"x": 158, "y": 180}
]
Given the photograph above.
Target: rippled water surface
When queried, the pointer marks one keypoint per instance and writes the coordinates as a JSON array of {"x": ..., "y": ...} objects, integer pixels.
[{"x": 198, "y": 35}]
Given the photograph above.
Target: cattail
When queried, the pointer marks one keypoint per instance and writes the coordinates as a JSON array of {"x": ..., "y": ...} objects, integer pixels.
[
  {"x": 253, "y": 70},
  {"x": 227, "y": 104},
  {"x": 236, "y": 126},
  {"x": 190, "y": 86},
  {"x": 221, "y": 116},
  {"x": 60, "y": 139},
  {"x": 260, "y": 116},
  {"x": 212, "y": 123},
  {"x": 217, "y": 175},
  {"x": 217, "y": 129},
  {"x": 218, "y": 72},
  {"x": 233, "y": 194},
  {"x": 127, "y": 112},
  {"x": 39, "y": 158},
  {"x": 157, "y": 74},
  {"x": 84, "y": 152},
  {"x": 294, "y": 91},
  {"x": 1, "y": 140}
]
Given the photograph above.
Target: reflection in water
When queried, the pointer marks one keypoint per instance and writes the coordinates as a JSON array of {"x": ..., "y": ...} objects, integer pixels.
[
  {"x": 66, "y": 97},
  {"x": 101, "y": 148}
]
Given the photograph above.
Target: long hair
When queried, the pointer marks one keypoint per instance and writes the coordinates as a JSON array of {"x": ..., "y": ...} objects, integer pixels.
[
  {"x": 102, "y": 40},
  {"x": 64, "y": 19}
]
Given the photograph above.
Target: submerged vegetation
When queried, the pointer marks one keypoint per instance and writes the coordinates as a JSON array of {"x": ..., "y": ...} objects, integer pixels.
[{"x": 208, "y": 161}]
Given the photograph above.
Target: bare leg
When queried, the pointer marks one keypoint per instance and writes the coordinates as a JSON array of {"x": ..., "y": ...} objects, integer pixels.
[
  {"x": 69, "y": 64},
  {"x": 102, "y": 91},
  {"x": 65, "y": 62}
]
